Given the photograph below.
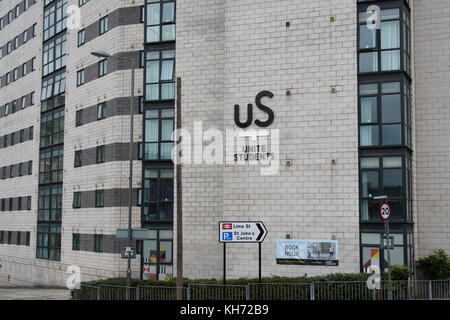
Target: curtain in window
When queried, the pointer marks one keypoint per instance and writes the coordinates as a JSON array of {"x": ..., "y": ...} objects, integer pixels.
[
  {"x": 390, "y": 39},
  {"x": 369, "y": 135}
]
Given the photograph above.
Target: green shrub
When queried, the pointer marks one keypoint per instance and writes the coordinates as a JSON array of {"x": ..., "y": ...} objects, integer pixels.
[
  {"x": 435, "y": 266},
  {"x": 398, "y": 273}
]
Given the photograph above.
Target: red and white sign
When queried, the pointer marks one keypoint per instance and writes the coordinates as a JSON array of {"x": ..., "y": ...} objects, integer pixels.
[
  {"x": 227, "y": 226},
  {"x": 385, "y": 211}
]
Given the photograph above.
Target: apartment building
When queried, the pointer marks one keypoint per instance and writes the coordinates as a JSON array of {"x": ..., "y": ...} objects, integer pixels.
[{"x": 336, "y": 108}]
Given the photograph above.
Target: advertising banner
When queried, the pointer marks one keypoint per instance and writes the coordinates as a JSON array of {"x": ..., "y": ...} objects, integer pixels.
[{"x": 308, "y": 252}]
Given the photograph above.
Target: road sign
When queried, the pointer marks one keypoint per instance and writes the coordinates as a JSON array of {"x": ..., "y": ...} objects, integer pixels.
[
  {"x": 128, "y": 251},
  {"x": 242, "y": 232},
  {"x": 387, "y": 242},
  {"x": 385, "y": 211}
]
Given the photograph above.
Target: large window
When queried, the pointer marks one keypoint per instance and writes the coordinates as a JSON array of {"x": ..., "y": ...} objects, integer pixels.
[
  {"x": 159, "y": 126},
  {"x": 158, "y": 194},
  {"x": 401, "y": 254},
  {"x": 48, "y": 242},
  {"x": 385, "y": 118},
  {"x": 387, "y": 48},
  {"x": 385, "y": 175},
  {"x": 53, "y": 86},
  {"x": 159, "y": 75},
  {"x": 55, "y": 19},
  {"x": 160, "y": 20},
  {"x": 157, "y": 255},
  {"x": 54, "y": 55},
  {"x": 51, "y": 166},
  {"x": 50, "y": 204},
  {"x": 52, "y": 129}
]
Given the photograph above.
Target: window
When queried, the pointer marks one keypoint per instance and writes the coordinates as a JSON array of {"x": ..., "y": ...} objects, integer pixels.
[
  {"x": 2, "y": 236},
  {"x": 22, "y": 135},
  {"x": 48, "y": 242},
  {"x": 101, "y": 110},
  {"x": 76, "y": 200},
  {"x": 24, "y": 69},
  {"x": 23, "y": 101},
  {"x": 35, "y": 30},
  {"x": 52, "y": 129},
  {"x": 55, "y": 19},
  {"x": 31, "y": 133},
  {"x": 13, "y": 140},
  {"x": 27, "y": 239},
  {"x": 80, "y": 77},
  {"x": 160, "y": 20},
  {"x": 103, "y": 25},
  {"x": 81, "y": 37},
  {"x": 75, "y": 241},
  {"x": 51, "y": 166},
  {"x": 25, "y": 36},
  {"x": 79, "y": 118},
  {"x": 9, "y": 47},
  {"x": 16, "y": 42},
  {"x": 3, "y": 204},
  {"x": 102, "y": 67},
  {"x": 30, "y": 168},
  {"x": 141, "y": 104},
  {"x": 98, "y": 243},
  {"x": 53, "y": 86},
  {"x": 20, "y": 169},
  {"x": 81, "y": 2},
  {"x": 385, "y": 175},
  {"x": 17, "y": 10},
  {"x": 18, "y": 236},
  {"x": 159, "y": 126},
  {"x": 385, "y": 118},
  {"x": 99, "y": 198},
  {"x": 402, "y": 254},
  {"x": 29, "y": 203},
  {"x": 386, "y": 49},
  {"x": 33, "y": 64},
  {"x": 19, "y": 204},
  {"x": 158, "y": 194},
  {"x": 11, "y": 207},
  {"x": 159, "y": 75},
  {"x": 9, "y": 237},
  {"x": 54, "y": 55},
  {"x": 100, "y": 154},
  {"x": 6, "y": 109},
  {"x": 15, "y": 74},
  {"x": 50, "y": 204},
  {"x": 78, "y": 162}
]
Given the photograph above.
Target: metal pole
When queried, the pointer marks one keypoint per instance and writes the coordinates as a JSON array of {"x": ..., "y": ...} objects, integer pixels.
[
  {"x": 386, "y": 225},
  {"x": 224, "y": 267},
  {"x": 130, "y": 181},
  {"x": 259, "y": 275},
  {"x": 179, "y": 281}
]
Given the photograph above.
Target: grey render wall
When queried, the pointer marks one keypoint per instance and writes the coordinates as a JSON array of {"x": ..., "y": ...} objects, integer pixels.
[{"x": 432, "y": 67}]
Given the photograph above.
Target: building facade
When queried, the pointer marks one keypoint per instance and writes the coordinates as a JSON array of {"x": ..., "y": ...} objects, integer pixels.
[{"x": 341, "y": 101}]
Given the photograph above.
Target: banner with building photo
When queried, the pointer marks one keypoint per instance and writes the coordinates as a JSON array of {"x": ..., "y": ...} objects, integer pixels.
[{"x": 308, "y": 252}]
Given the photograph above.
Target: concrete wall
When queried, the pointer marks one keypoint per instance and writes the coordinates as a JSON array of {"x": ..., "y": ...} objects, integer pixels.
[
  {"x": 227, "y": 55},
  {"x": 432, "y": 66}
]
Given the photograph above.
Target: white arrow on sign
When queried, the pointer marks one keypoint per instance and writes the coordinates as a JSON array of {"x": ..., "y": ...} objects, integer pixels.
[{"x": 242, "y": 231}]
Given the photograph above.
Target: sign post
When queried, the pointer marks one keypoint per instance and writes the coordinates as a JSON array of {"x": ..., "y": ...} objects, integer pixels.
[
  {"x": 241, "y": 232},
  {"x": 385, "y": 213}
]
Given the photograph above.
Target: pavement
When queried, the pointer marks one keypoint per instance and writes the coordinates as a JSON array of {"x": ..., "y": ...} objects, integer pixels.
[{"x": 34, "y": 294}]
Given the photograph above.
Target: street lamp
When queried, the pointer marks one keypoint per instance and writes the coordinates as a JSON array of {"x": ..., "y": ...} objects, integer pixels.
[{"x": 101, "y": 54}]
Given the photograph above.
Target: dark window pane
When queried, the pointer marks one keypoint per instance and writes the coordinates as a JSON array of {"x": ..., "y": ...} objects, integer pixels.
[
  {"x": 392, "y": 182},
  {"x": 392, "y": 134},
  {"x": 391, "y": 110}
]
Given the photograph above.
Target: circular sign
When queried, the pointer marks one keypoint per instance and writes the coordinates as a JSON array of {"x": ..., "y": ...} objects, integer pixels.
[{"x": 385, "y": 211}]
